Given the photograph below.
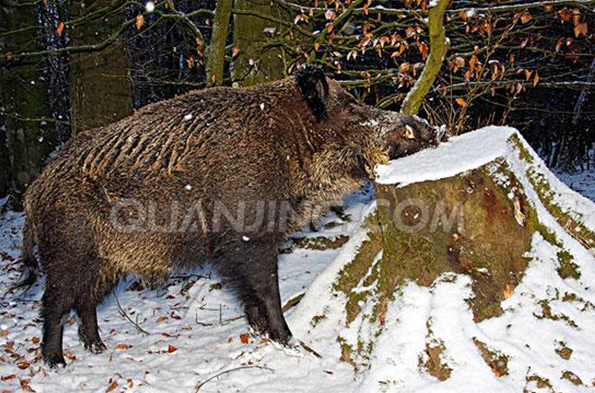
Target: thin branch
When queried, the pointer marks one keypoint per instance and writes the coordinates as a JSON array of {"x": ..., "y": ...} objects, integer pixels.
[
  {"x": 523, "y": 6},
  {"x": 416, "y": 12},
  {"x": 191, "y": 26},
  {"x": 75, "y": 49},
  {"x": 553, "y": 85},
  {"x": 273, "y": 19},
  {"x": 201, "y": 384},
  {"x": 125, "y": 315}
]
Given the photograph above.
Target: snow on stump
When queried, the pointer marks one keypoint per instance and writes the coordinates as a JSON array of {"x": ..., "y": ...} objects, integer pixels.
[{"x": 476, "y": 258}]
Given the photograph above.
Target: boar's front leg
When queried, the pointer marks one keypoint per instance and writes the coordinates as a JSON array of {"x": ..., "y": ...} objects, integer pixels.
[
  {"x": 250, "y": 266},
  {"x": 86, "y": 309}
]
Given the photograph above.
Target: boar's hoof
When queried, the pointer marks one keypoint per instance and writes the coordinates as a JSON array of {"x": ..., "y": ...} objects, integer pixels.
[
  {"x": 259, "y": 326},
  {"x": 56, "y": 361},
  {"x": 282, "y": 337},
  {"x": 95, "y": 347}
]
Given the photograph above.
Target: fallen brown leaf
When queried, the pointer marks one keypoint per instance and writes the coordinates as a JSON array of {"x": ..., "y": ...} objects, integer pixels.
[
  {"x": 112, "y": 386},
  {"x": 25, "y": 386},
  {"x": 24, "y": 365}
]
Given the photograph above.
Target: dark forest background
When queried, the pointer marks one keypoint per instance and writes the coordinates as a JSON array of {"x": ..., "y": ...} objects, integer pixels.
[{"x": 70, "y": 66}]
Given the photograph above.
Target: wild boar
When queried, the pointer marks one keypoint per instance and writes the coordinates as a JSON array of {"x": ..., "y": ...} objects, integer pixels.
[{"x": 220, "y": 175}]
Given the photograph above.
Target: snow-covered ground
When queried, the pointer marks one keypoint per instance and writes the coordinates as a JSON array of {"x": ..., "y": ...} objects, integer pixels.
[{"x": 192, "y": 336}]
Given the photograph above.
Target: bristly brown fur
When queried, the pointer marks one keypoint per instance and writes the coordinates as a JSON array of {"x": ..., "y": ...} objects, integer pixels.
[{"x": 303, "y": 141}]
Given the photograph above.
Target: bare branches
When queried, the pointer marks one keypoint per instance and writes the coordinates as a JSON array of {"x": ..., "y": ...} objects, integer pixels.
[
  {"x": 522, "y": 6},
  {"x": 188, "y": 22},
  {"x": 73, "y": 49},
  {"x": 270, "y": 18},
  {"x": 103, "y": 12},
  {"x": 576, "y": 85}
]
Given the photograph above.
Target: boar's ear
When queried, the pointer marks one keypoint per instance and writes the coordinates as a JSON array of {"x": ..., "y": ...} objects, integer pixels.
[{"x": 314, "y": 87}]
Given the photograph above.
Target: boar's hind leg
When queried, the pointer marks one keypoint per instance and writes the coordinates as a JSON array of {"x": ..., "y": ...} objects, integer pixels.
[
  {"x": 251, "y": 267},
  {"x": 57, "y": 303}
]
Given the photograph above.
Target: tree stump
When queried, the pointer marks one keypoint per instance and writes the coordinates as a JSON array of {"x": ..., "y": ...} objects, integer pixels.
[{"x": 477, "y": 212}]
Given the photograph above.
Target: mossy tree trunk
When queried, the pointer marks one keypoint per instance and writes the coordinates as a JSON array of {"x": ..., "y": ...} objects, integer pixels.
[
  {"x": 259, "y": 60},
  {"x": 100, "y": 89},
  {"x": 438, "y": 49},
  {"x": 216, "y": 54},
  {"x": 4, "y": 164},
  {"x": 25, "y": 100}
]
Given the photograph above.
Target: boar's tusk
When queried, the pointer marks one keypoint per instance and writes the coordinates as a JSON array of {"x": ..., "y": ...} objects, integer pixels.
[
  {"x": 409, "y": 133},
  {"x": 442, "y": 134}
]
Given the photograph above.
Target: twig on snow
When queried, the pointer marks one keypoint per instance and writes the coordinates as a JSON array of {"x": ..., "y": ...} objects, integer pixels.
[
  {"x": 201, "y": 384},
  {"x": 125, "y": 315}
]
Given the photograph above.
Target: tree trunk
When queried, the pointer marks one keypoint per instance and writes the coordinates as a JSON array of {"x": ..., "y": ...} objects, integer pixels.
[
  {"x": 257, "y": 60},
  {"x": 438, "y": 49},
  {"x": 25, "y": 98},
  {"x": 216, "y": 54},
  {"x": 4, "y": 164},
  {"x": 100, "y": 89}
]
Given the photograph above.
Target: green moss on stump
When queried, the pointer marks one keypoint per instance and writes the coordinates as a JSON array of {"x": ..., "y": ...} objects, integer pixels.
[
  {"x": 571, "y": 222},
  {"x": 547, "y": 313},
  {"x": 496, "y": 360},
  {"x": 573, "y": 378},
  {"x": 564, "y": 352},
  {"x": 320, "y": 243},
  {"x": 542, "y": 383},
  {"x": 346, "y": 352},
  {"x": 434, "y": 364},
  {"x": 354, "y": 272},
  {"x": 567, "y": 269}
]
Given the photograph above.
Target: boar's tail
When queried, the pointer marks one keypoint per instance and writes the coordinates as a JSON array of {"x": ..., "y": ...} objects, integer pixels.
[{"x": 30, "y": 272}]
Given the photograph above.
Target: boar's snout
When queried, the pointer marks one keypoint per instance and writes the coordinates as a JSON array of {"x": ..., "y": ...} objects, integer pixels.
[{"x": 407, "y": 135}]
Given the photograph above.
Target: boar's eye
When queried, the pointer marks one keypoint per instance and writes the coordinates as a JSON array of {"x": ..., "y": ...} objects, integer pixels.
[
  {"x": 408, "y": 132},
  {"x": 352, "y": 100},
  {"x": 351, "y": 110}
]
